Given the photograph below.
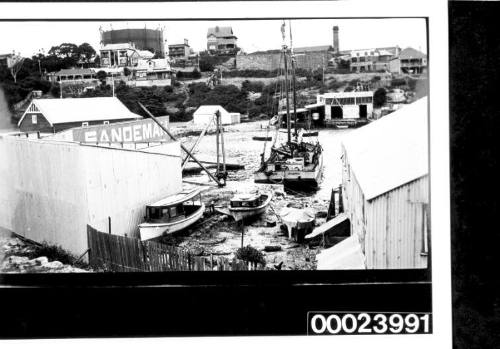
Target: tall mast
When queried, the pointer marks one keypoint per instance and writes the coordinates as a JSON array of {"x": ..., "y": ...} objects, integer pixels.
[
  {"x": 293, "y": 81},
  {"x": 286, "y": 85}
]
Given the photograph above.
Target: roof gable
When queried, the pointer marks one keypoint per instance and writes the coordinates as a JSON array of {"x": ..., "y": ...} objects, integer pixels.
[
  {"x": 210, "y": 110},
  {"x": 220, "y": 31},
  {"x": 410, "y": 52},
  {"x": 57, "y": 111},
  {"x": 391, "y": 151}
]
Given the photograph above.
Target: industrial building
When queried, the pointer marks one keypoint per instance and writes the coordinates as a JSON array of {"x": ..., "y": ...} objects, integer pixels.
[
  {"x": 385, "y": 188},
  {"x": 205, "y": 113},
  {"x": 409, "y": 61},
  {"x": 370, "y": 59},
  {"x": 141, "y": 38},
  {"x": 221, "y": 40},
  {"x": 54, "y": 115}
]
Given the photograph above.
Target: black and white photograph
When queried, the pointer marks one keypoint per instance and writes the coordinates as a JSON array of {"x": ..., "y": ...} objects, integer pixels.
[{"x": 209, "y": 144}]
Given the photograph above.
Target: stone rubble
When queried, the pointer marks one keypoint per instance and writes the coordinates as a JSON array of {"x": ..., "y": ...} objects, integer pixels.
[{"x": 12, "y": 263}]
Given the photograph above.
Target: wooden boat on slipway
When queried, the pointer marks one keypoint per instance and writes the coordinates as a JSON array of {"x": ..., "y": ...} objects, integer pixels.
[
  {"x": 172, "y": 214},
  {"x": 296, "y": 163},
  {"x": 242, "y": 206}
]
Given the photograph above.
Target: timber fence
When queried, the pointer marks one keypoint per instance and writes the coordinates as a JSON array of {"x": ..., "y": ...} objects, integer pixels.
[{"x": 123, "y": 254}]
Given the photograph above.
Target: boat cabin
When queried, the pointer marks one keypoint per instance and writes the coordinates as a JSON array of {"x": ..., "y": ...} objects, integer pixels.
[
  {"x": 246, "y": 200},
  {"x": 175, "y": 207}
]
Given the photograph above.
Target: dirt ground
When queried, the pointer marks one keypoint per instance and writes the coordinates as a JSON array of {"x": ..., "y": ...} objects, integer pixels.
[{"x": 220, "y": 235}]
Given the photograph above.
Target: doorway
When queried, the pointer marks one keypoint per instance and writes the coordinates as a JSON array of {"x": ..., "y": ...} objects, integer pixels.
[
  {"x": 363, "y": 111},
  {"x": 337, "y": 112}
]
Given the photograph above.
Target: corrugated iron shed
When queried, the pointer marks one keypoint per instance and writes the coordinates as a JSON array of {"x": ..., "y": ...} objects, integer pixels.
[{"x": 390, "y": 152}]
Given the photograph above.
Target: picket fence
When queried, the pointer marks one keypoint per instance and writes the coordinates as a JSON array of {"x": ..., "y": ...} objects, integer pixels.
[{"x": 122, "y": 254}]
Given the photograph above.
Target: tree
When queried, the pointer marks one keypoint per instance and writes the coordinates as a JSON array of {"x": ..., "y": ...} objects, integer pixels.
[
  {"x": 85, "y": 52},
  {"x": 65, "y": 50},
  {"x": 101, "y": 76},
  {"x": 379, "y": 97},
  {"x": 16, "y": 66}
]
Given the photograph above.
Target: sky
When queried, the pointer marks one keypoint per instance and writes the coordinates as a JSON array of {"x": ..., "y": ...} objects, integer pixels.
[{"x": 29, "y": 38}]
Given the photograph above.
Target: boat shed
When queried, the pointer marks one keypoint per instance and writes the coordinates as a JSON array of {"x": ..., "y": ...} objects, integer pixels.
[
  {"x": 204, "y": 114},
  {"x": 385, "y": 188},
  {"x": 54, "y": 115}
]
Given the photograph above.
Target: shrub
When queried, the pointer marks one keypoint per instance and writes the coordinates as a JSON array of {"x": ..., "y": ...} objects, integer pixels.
[
  {"x": 168, "y": 89},
  {"x": 208, "y": 63},
  {"x": 252, "y": 86},
  {"x": 250, "y": 254},
  {"x": 335, "y": 85},
  {"x": 55, "y": 90},
  {"x": 379, "y": 97},
  {"x": 412, "y": 84}
]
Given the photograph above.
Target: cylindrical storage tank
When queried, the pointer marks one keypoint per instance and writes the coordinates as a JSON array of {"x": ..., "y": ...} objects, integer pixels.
[{"x": 143, "y": 38}]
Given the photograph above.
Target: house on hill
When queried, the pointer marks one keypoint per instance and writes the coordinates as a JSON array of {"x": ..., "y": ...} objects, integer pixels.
[
  {"x": 221, "y": 40},
  {"x": 385, "y": 189},
  {"x": 409, "y": 61},
  {"x": 54, "y": 115},
  {"x": 204, "y": 114}
]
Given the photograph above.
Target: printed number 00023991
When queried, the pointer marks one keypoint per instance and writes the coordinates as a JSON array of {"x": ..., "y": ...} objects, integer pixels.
[{"x": 369, "y": 323}]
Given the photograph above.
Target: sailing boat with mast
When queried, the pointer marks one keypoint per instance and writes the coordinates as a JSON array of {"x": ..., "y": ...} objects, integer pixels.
[{"x": 295, "y": 163}]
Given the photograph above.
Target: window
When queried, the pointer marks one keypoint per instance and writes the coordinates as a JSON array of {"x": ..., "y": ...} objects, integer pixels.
[
  {"x": 164, "y": 212},
  {"x": 106, "y": 122},
  {"x": 85, "y": 124},
  {"x": 33, "y": 119},
  {"x": 425, "y": 231},
  {"x": 154, "y": 212},
  {"x": 173, "y": 211}
]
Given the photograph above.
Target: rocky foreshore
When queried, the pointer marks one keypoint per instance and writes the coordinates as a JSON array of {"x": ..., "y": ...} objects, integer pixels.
[{"x": 13, "y": 259}]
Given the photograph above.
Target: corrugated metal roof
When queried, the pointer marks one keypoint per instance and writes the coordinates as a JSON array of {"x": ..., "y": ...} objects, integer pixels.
[
  {"x": 76, "y": 71},
  {"x": 58, "y": 111},
  {"x": 391, "y": 151},
  {"x": 220, "y": 31}
]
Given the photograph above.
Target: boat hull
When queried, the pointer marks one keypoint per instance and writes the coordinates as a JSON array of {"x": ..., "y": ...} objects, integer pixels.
[
  {"x": 241, "y": 213},
  {"x": 293, "y": 179},
  {"x": 153, "y": 230}
]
